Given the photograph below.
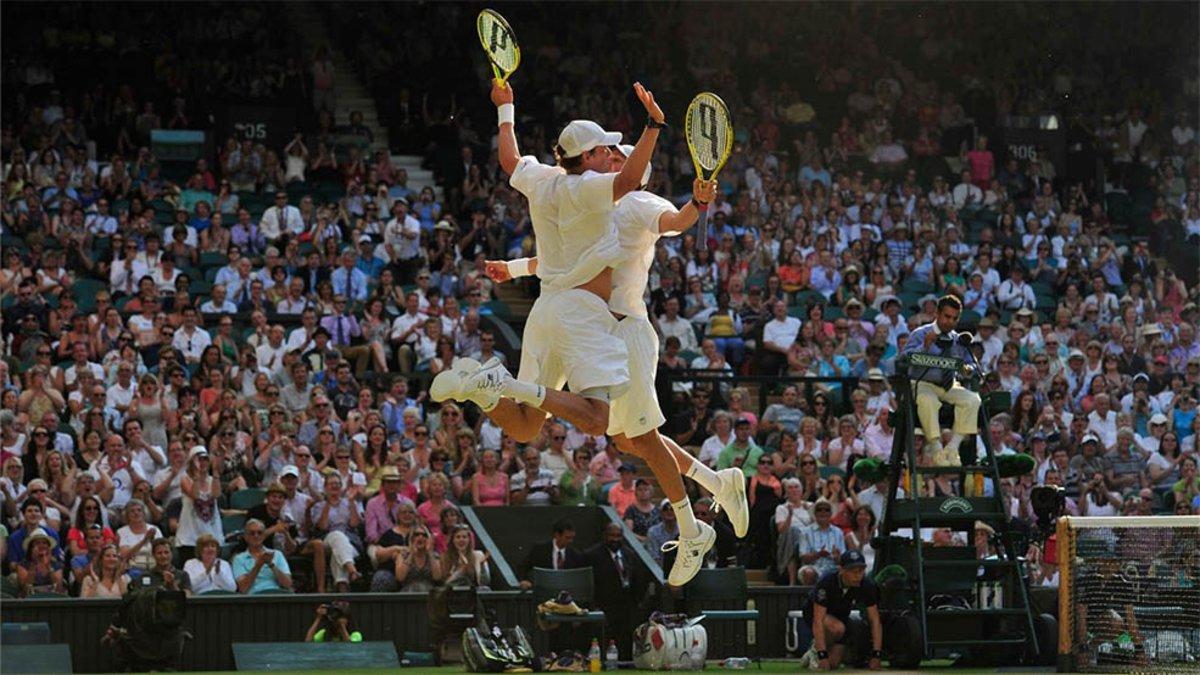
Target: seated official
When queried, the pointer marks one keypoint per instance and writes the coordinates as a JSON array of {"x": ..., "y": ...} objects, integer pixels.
[{"x": 934, "y": 386}]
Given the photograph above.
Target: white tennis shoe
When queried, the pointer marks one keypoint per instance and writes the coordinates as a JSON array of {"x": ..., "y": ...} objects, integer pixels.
[
  {"x": 448, "y": 383},
  {"x": 732, "y": 499},
  {"x": 468, "y": 380},
  {"x": 691, "y": 551}
]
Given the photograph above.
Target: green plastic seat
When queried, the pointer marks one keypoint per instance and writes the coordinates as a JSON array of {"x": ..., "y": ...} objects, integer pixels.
[
  {"x": 244, "y": 499},
  {"x": 720, "y": 595}
]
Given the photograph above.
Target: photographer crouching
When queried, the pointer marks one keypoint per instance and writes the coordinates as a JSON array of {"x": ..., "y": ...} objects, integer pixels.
[
  {"x": 935, "y": 386},
  {"x": 333, "y": 623}
]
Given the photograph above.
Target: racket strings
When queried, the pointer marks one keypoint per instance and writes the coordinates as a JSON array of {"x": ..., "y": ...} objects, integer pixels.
[
  {"x": 709, "y": 131},
  {"x": 498, "y": 42},
  {"x": 708, "y": 154}
]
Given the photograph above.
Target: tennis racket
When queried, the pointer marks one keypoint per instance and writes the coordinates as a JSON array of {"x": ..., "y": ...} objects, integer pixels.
[
  {"x": 709, "y": 136},
  {"x": 500, "y": 43}
]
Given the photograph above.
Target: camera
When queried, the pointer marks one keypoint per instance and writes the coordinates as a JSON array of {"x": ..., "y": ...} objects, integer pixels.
[
  {"x": 1048, "y": 502},
  {"x": 334, "y": 610}
]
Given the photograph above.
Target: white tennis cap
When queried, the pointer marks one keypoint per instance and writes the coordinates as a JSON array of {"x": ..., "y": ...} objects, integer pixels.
[
  {"x": 582, "y": 135},
  {"x": 627, "y": 150}
]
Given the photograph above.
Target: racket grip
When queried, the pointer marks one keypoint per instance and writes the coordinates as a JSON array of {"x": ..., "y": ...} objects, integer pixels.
[{"x": 702, "y": 230}]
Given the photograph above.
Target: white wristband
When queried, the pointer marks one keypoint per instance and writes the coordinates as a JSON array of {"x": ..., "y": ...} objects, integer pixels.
[
  {"x": 519, "y": 268},
  {"x": 507, "y": 114}
]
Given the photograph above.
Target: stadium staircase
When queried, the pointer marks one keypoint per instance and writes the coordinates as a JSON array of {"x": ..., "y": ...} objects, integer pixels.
[{"x": 352, "y": 96}]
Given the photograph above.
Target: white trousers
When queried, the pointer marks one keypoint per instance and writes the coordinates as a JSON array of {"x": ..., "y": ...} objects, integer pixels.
[
  {"x": 341, "y": 551},
  {"x": 930, "y": 398}
]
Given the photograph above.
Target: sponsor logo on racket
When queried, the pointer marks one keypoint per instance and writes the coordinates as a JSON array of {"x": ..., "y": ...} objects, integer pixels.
[{"x": 499, "y": 43}]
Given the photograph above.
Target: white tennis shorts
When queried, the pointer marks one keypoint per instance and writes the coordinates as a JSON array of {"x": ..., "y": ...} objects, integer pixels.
[
  {"x": 569, "y": 339},
  {"x": 636, "y": 411}
]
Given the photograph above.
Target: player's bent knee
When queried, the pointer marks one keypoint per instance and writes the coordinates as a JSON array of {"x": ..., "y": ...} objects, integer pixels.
[
  {"x": 523, "y": 433},
  {"x": 834, "y": 628},
  {"x": 647, "y": 443},
  {"x": 596, "y": 421},
  {"x": 626, "y": 445}
]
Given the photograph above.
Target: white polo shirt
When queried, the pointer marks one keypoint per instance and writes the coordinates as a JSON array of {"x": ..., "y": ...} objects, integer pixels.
[
  {"x": 576, "y": 238},
  {"x": 636, "y": 217}
]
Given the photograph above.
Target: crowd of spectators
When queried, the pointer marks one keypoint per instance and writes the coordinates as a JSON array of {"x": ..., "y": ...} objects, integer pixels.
[{"x": 245, "y": 348}]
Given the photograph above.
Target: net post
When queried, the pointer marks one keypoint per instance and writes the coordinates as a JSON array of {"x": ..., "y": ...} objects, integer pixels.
[{"x": 1063, "y": 548}]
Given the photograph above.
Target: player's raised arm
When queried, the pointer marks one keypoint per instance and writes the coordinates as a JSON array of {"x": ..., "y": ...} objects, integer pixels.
[
  {"x": 703, "y": 192},
  {"x": 630, "y": 177},
  {"x": 502, "y": 97}
]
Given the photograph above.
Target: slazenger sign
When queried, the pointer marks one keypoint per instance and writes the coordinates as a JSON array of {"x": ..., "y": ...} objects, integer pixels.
[{"x": 954, "y": 504}]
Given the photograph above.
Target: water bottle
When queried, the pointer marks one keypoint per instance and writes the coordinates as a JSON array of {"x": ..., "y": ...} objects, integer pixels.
[
  {"x": 610, "y": 656},
  {"x": 736, "y": 663},
  {"x": 594, "y": 657}
]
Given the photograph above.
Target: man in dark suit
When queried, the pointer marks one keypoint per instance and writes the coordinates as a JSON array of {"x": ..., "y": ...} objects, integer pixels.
[
  {"x": 620, "y": 583},
  {"x": 556, "y": 554}
]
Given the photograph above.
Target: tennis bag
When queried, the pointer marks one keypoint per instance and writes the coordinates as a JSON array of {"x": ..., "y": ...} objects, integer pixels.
[
  {"x": 498, "y": 651},
  {"x": 670, "y": 642}
]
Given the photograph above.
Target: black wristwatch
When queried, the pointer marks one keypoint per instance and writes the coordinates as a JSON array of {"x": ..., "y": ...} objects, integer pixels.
[
  {"x": 877, "y": 653},
  {"x": 822, "y": 654},
  {"x": 700, "y": 206},
  {"x": 651, "y": 124}
]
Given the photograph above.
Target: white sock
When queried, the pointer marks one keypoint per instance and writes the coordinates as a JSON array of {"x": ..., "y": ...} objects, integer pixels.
[
  {"x": 706, "y": 477},
  {"x": 524, "y": 392},
  {"x": 687, "y": 521}
]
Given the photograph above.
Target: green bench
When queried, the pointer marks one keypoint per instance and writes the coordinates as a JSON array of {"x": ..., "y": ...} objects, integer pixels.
[
  {"x": 49, "y": 658},
  {"x": 315, "y": 655},
  {"x": 25, "y": 634}
]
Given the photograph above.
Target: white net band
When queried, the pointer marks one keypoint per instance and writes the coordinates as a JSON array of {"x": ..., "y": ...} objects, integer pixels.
[{"x": 1134, "y": 522}]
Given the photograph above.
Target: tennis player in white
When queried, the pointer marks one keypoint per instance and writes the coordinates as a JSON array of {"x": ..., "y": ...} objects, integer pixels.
[
  {"x": 641, "y": 218},
  {"x": 569, "y": 335}
]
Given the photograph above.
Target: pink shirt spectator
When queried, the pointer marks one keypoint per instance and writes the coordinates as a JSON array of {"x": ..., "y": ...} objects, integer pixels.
[{"x": 983, "y": 164}]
